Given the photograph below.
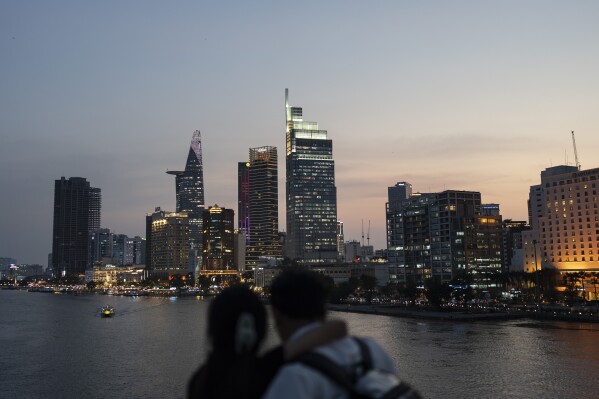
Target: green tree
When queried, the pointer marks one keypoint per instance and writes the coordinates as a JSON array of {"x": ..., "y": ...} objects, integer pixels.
[{"x": 436, "y": 292}]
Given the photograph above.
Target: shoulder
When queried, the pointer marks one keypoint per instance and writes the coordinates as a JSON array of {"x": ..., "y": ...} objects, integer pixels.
[
  {"x": 295, "y": 381},
  {"x": 380, "y": 358}
]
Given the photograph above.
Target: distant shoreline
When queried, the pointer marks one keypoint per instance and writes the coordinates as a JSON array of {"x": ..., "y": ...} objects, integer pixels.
[{"x": 431, "y": 314}]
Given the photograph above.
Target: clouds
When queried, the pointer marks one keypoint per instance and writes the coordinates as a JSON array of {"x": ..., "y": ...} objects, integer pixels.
[{"x": 462, "y": 96}]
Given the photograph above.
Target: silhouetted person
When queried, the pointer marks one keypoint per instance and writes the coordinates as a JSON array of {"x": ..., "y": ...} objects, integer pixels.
[
  {"x": 236, "y": 328},
  {"x": 298, "y": 305}
]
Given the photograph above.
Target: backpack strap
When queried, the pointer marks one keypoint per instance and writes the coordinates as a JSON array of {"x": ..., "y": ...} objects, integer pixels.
[
  {"x": 364, "y": 353},
  {"x": 327, "y": 367}
]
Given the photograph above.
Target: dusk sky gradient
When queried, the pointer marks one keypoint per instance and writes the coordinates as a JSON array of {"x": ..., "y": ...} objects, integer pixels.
[{"x": 463, "y": 95}]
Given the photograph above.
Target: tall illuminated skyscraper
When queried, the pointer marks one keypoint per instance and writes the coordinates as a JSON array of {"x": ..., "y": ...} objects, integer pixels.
[
  {"x": 263, "y": 211},
  {"x": 310, "y": 189},
  {"x": 190, "y": 197},
  {"x": 76, "y": 214},
  {"x": 243, "y": 198},
  {"x": 218, "y": 250}
]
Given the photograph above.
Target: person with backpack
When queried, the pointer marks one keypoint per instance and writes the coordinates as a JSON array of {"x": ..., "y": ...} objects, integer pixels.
[
  {"x": 350, "y": 367},
  {"x": 237, "y": 325}
]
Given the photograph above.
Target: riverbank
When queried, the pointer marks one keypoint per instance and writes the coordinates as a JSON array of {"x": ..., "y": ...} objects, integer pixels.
[{"x": 431, "y": 314}]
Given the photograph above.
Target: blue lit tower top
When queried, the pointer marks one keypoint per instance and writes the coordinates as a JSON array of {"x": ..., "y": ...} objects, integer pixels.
[{"x": 311, "y": 195}]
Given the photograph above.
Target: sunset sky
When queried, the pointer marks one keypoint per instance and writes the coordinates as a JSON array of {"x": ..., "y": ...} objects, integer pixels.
[{"x": 463, "y": 95}]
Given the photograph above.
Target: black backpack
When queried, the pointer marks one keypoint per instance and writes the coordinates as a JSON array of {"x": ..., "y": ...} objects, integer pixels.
[{"x": 366, "y": 382}]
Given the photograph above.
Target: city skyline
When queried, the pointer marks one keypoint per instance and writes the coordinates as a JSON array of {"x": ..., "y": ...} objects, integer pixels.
[{"x": 460, "y": 96}]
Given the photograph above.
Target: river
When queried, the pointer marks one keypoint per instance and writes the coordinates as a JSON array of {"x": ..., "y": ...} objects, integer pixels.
[{"x": 57, "y": 346}]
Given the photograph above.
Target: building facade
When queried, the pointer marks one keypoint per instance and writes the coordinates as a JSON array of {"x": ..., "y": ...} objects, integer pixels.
[
  {"x": 439, "y": 235},
  {"x": 394, "y": 219},
  {"x": 564, "y": 221},
  {"x": 77, "y": 210},
  {"x": 261, "y": 210},
  {"x": 512, "y": 244},
  {"x": 219, "y": 228},
  {"x": 167, "y": 240},
  {"x": 311, "y": 195},
  {"x": 101, "y": 245},
  {"x": 189, "y": 185},
  {"x": 243, "y": 198}
]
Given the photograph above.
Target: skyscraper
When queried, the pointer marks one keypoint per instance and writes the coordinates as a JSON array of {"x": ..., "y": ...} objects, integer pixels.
[
  {"x": 259, "y": 204},
  {"x": 564, "y": 221},
  {"x": 190, "y": 197},
  {"x": 243, "y": 198},
  {"x": 167, "y": 237},
  {"x": 76, "y": 213},
  {"x": 218, "y": 239},
  {"x": 101, "y": 245},
  {"x": 443, "y": 234},
  {"x": 311, "y": 195},
  {"x": 394, "y": 216}
]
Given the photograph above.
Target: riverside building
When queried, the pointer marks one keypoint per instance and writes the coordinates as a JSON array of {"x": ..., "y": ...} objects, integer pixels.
[
  {"x": 167, "y": 243},
  {"x": 564, "y": 220},
  {"x": 441, "y": 234},
  {"x": 258, "y": 205},
  {"x": 76, "y": 213},
  {"x": 311, "y": 195},
  {"x": 189, "y": 185},
  {"x": 218, "y": 251}
]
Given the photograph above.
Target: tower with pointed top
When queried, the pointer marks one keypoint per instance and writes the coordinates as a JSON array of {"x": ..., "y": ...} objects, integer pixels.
[
  {"x": 190, "y": 197},
  {"x": 311, "y": 195}
]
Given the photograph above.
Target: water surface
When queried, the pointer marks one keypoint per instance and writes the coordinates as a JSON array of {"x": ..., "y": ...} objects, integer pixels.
[{"x": 57, "y": 346}]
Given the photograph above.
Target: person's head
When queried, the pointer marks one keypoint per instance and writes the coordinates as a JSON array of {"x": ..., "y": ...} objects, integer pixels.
[
  {"x": 298, "y": 297},
  {"x": 236, "y": 321}
]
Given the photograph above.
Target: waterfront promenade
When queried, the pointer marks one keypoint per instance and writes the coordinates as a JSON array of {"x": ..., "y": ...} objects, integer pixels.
[{"x": 466, "y": 315}]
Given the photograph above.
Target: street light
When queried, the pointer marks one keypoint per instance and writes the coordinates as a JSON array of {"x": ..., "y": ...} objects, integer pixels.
[{"x": 534, "y": 244}]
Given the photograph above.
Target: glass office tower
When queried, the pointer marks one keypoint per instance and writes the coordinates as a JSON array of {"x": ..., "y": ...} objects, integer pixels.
[
  {"x": 76, "y": 214},
  {"x": 310, "y": 190},
  {"x": 190, "y": 197},
  {"x": 263, "y": 226}
]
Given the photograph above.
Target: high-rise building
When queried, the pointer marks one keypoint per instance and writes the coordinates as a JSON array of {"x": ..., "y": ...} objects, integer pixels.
[
  {"x": 394, "y": 217},
  {"x": 259, "y": 204},
  {"x": 218, "y": 238},
  {"x": 243, "y": 198},
  {"x": 440, "y": 234},
  {"x": 512, "y": 244},
  {"x": 101, "y": 244},
  {"x": 396, "y": 194},
  {"x": 190, "y": 197},
  {"x": 167, "y": 239},
  {"x": 76, "y": 213},
  {"x": 483, "y": 245},
  {"x": 311, "y": 195},
  {"x": 122, "y": 250},
  {"x": 138, "y": 250},
  {"x": 564, "y": 221}
]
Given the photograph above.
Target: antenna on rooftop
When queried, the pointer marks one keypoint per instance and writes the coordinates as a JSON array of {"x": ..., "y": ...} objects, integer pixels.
[
  {"x": 575, "y": 152},
  {"x": 368, "y": 236}
]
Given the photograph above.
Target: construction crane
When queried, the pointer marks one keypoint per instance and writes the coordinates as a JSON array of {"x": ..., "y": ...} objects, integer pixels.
[
  {"x": 575, "y": 152},
  {"x": 362, "y": 232}
]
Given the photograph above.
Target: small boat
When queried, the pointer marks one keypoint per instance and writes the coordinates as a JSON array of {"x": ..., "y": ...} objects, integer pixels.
[{"x": 107, "y": 311}]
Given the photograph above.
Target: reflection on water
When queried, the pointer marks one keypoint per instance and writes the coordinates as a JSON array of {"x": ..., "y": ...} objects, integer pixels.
[{"x": 57, "y": 346}]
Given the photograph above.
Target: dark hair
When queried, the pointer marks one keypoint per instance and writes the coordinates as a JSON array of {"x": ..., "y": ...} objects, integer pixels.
[
  {"x": 299, "y": 294},
  {"x": 224, "y": 314},
  {"x": 228, "y": 371}
]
